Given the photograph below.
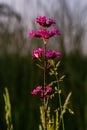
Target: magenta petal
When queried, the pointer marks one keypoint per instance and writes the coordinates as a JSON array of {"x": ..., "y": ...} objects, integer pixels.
[{"x": 32, "y": 34}]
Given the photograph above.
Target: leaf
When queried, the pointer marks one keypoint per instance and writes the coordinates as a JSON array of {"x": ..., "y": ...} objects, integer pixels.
[
  {"x": 70, "y": 111},
  {"x": 55, "y": 69},
  {"x": 67, "y": 100},
  {"x": 41, "y": 67},
  {"x": 51, "y": 72},
  {"x": 51, "y": 62},
  {"x": 56, "y": 73},
  {"x": 57, "y": 90},
  {"x": 65, "y": 105},
  {"x": 62, "y": 77},
  {"x": 53, "y": 82},
  {"x": 57, "y": 65},
  {"x": 52, "y": 96}
]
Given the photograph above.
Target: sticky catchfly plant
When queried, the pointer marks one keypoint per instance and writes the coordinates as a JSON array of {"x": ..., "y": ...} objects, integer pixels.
[{"x": 46, "y": 62}]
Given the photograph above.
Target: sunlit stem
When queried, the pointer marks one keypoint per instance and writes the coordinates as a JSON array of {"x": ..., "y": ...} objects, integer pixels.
[{"x": 60, "y": 103}]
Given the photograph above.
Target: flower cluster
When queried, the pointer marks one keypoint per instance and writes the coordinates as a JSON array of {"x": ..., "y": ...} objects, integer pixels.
[
  {"x": 42, "y": 54},
  {"x": 52, "y": 54},
  {"x": 43, "y": 33},
  {"x": 42, "y": 93},
  {"x": 44, "y": 22},
  {"x": 37, "y": 54}
]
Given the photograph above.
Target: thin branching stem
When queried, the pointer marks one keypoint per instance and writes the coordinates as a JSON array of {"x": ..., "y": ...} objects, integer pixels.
[{"x": 60, "y": 102}]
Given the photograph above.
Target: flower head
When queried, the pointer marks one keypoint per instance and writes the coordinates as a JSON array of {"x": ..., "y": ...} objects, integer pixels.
[
  {"x": 41, "y": 93},
  {"x": 52, "y": 54},
  {"x": 44, "y": 22},
  {"x": 54, "y": 32},
  {"x": 32, "y": 34},
  {"x": 44, "y": 33},
  {"x": 37, "y": 90},
  {"x": 51, "y": 22},
  {"x": 37, "y": 54},
  {"x": 48, "y": 91},
  {"x": 58, "y": 54}
]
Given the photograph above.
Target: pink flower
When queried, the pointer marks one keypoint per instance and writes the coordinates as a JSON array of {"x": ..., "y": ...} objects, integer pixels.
[
  {"x": 52, "y": 54},
  {"x": 48, "y": 91},
  {"x": 37, "y": 54},
  {"x": 44, "y": 22},
  {"x": 51, "y": 22},
  {"x": 44, "y": 33},
  {"x": 37, "y": 90},
  {"x": 32, "y": 34},
  {"x": 58, "y": 54},
  {"x": 54, "y": 32},
  {"x": 41, "y": 93}
]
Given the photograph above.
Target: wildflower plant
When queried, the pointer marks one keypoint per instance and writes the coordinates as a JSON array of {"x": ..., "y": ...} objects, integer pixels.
[{"x": 47, "y": 91}]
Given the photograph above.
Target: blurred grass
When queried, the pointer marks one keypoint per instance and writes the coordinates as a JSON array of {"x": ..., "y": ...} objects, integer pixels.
[{"x": 21, "y": 76}]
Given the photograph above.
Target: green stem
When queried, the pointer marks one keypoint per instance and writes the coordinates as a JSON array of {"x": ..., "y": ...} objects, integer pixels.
[
  {"x": 60, "y": 103},
  {"x": 45, "y": 109}
]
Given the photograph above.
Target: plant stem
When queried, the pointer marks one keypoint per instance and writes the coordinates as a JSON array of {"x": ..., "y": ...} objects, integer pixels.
[
  {"x": 44, "y": 66},
  {"x": 60, "y": 103},
  {"x": 45, "y": 109}
]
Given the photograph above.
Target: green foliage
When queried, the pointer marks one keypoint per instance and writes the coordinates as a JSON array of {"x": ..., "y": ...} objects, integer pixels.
[
  {"x": 55, "y": 119},
  {"x": 49, "y": 120},
  {"x": 8, "y": 110},
  {"x": 18, "y": 73},
  {"x": 41, "y": 67}
]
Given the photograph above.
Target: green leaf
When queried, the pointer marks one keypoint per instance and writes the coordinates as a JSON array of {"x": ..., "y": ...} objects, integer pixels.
[
  {"x": 70, "y": 111},
  {"x": 55, "y": 69},
  {"x": 65, "y": 105},
  {"x": 57, "y": 65},
  {"x": 62, "y": 77},
  {"x": 53, "y": 82},
  {"x": 57, "y": 90},
  {"x": 56, "y": 73},
  {"x": 41, "y": 67},
  {"x": 51, "y": 62},
  {"x": 51, "y": 72}
]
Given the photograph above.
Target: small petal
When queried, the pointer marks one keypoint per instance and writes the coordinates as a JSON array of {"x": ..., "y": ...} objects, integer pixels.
[
  {"x": 37, "y": 53},
  {"x": 58, "y": 54},
  {"x": 52, "y": 54},
  {"x": 37, "y": 90},
  {"x": 32, "y": 34}
]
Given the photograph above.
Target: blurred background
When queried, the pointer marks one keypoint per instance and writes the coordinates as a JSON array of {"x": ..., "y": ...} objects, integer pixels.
[{"x": 20, "y": 75}]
